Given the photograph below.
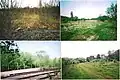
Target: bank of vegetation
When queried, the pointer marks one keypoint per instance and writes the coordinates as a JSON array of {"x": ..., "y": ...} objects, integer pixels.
[
  {"x": 13, "y": 59},
  {"x": 103, "y": 27},
  {"x": 92, "y": 67},
  {"x": 31, "y": 23}
]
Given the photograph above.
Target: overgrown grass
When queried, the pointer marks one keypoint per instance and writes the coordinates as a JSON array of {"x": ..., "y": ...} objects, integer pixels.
[
  {"x": 28, "y": 19},
  {"x": 97, "y": 70},
  {"x": 32, "y": 21},
  {"x": 89, "y": 30}
]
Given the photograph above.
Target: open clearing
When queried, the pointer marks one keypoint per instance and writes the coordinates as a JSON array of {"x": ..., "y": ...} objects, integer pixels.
[
  {"x": 96, "y": 70},
  {"x": 88, "y": 30}
]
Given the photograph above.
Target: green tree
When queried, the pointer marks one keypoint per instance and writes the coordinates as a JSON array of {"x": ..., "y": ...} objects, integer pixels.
[
  {"x": 98, "y": 56},
  {"x": 88, "y": 59},
  {"x": 75, "y": 18},
  {"x": 12, "y": 58},
  {"x": 80, "y": 60},
  {"x": 113, "y": 55},
  {"x": 103, "y": 18},
  {"x": 8, "y": 55},
  {"x": 112, "y": 11},
  {"x": 83, "y": 19},
  {"x": 6, "y": 47}
]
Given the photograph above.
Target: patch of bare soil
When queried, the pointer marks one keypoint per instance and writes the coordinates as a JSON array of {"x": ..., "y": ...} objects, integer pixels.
[{"x": 36, "y": 34}]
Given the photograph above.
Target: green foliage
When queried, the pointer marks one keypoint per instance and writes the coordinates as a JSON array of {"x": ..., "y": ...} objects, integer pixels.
[
  {"x": 26, "y": 60},
  {"x": 112, "y": 11},
  {"x": 106, "y": 31},
  {"x": 103, "y": 18},
  {"x": 100, "y": 28},
  {"x": 6, "y": 47},
  {"x": 65, "y": 19},
  {"x": 68, "y": 61},
  {"x": 114, "y": 55},
  {"x": 67, "y": 32},
  {"x": 12, "y": 60},
  {"x": 98, "y": 56},
  {"x": 96, "y": 70},
  {"x": 75, "y": 18},
  {"x": 89, "y": 30},
  {"x": 83, "y": 19}
]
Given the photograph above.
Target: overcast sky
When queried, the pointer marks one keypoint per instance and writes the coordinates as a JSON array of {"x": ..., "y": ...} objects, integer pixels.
[
  {"x": 52, "y": 48},
  {"x": 74, "y": 49},
  {"x": 85, "y": 8},
  {"x": 31, "y": 3}
]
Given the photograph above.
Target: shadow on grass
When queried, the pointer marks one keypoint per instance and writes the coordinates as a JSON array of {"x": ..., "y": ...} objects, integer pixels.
[{"x": 106, "y": 31}]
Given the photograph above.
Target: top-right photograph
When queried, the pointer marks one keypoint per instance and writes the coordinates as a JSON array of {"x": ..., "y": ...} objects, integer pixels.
[{"x": 88, "y": 20}]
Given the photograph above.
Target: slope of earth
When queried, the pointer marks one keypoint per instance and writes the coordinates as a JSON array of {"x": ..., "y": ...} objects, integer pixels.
[{"x": 30, "y": 24}]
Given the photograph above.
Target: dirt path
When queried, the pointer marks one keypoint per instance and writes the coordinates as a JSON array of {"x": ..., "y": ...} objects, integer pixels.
[{"x": 92, "y": 71}]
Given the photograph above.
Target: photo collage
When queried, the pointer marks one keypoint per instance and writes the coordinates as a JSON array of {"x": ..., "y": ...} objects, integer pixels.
[{"x": 60, "y": 39}]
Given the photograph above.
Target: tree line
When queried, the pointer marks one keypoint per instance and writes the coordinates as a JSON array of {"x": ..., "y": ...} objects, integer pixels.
[
  {"x": 112, "y": 56},
  {"x": 111, "y": 15},
  {"x": 13, "y": 59}
]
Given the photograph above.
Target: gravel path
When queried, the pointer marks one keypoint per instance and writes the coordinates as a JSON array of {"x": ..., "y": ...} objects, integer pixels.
[{"x": 36, "y": 34}]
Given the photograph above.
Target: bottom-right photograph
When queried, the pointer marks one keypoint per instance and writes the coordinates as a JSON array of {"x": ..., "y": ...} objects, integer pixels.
[{"x": 90, "y": 60}]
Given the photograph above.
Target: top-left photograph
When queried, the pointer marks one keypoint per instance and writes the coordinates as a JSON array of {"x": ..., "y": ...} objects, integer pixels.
[{"x": 29, "y": 20}]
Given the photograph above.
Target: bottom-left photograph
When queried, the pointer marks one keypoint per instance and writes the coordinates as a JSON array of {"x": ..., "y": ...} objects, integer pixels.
[{"x": 30, "y": 60}]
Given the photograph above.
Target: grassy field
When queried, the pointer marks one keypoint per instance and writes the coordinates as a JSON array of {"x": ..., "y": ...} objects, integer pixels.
[
  {"x": 95, "y": 70},
  {"x": 88, "y": 30},
  {"x": 31, "y": 23}
]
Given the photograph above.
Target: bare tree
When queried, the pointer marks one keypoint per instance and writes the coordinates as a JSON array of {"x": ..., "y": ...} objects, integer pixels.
[
  {"x": 14, "y": 4},
  {"x": 6, "y": 4},
  {"x": 54, "y": 2},
  {"x": 6, "y": 18},
  {"x": 40, "y": 3}
]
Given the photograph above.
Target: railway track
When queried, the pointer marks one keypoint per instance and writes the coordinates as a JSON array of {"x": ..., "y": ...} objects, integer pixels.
[{"x": 32, "y": 74}]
